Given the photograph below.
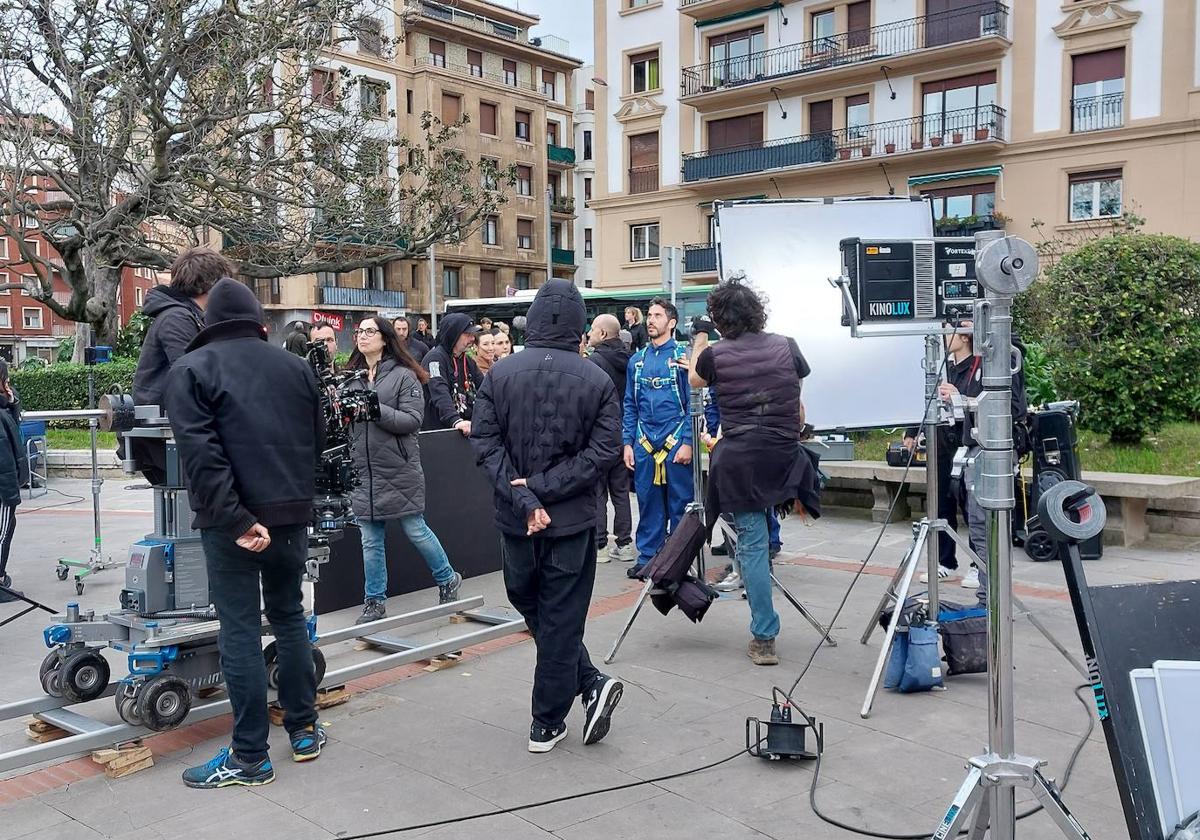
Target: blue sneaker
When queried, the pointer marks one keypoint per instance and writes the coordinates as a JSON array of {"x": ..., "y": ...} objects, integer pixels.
[
  {"x": 227, "y": 770},
  {"x": 307, "y": 742}
]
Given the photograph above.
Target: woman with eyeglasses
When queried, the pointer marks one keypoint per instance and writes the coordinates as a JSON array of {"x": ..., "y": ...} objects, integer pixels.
[{"x": 387, "y": 457}]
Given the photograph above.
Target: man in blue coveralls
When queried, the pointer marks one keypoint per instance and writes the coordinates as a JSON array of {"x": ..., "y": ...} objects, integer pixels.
[{"x": 658, "y": 432}]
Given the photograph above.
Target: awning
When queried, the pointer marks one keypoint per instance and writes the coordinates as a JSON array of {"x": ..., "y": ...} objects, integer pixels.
[
  {"x": 739, "y": 15},
  {"x": 707, "y": 204},
  {"x": 918, "y": 180}
]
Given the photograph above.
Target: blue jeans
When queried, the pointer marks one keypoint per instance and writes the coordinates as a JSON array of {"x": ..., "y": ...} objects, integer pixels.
[
  {"x": 375, "y": 554},
  {"x": 773, "y": 535},
  {"x": 755, "y": 564}
]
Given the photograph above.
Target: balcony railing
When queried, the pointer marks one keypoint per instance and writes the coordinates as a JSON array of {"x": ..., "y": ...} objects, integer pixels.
[
  {"x": 643, "y": 179},
  {"x": 560, "y": 154},
  {"x": 1096, "y": 113},
  {"x": 562, "y": 256},
  {"x": 563, "y": 204},
  {"x": 879, "y": 42},
  {"x": 436, "y": 11},
  {"x": 509, "y": 80},
  {"x": 949, "y": 129},
  {"x": 966, "y": 226},
  {"x": 344, "y": 296},
  {"x": 699, "y": 258}
]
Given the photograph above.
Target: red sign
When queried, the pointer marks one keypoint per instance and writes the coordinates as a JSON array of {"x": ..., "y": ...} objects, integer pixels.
[{"x": 329, "y": 318}]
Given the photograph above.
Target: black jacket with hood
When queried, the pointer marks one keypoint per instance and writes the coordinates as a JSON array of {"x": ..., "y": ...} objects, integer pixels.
[
  {"x": 549, "y": 416},
  {"x": 247, "y": 418},
  {"x": 176, "y": 321},
  {"x": 613, "y": 358},
  {"x": 453, "y": 383}
]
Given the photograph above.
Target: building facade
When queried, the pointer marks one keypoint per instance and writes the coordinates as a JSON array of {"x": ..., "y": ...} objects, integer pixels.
[
  {"x": 586, "y": 155},
  {"x": 474, "y": 58},
  {"x": 1041, "y": 116}
]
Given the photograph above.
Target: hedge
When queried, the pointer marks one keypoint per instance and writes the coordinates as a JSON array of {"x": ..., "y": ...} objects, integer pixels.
[{"x": 64, "y": 386}]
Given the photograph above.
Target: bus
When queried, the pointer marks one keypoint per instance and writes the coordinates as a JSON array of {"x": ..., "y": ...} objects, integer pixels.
[{"x": 691, "y": 301}]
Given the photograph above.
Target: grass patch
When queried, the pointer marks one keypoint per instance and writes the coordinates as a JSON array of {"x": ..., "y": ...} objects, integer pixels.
[{"x": 80, "y": 439}]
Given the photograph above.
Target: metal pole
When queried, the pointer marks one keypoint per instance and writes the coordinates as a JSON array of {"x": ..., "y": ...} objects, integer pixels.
[
  {"x": 934, "y": 348},
  {"x": 432, "y": 292},
  {"x": 97, "y": 482},
  {"x": 549, "y": 240}
]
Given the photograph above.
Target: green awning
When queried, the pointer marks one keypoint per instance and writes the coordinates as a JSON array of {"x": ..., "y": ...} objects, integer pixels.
[
  {"x": 918, "y": 180},
  {"x": 738, "y": 15}
]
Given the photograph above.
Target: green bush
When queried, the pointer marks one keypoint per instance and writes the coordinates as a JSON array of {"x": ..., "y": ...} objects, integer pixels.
[
  {"x": 1124, "y": 332},
  {"x": 64, "y": 386},
  {"x": 1040, "y": 386}
]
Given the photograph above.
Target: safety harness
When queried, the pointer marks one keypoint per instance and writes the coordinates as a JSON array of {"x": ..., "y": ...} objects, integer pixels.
[{"x": 661, "y": 454}]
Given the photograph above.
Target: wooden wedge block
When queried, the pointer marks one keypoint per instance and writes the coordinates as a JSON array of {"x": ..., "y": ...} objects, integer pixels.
[
  {"x": 441, "y": 663},
  {"x": 326, "y": 698},
  {"x": 459, "y": 618},
  {"x": 42, "y": 732},
  {"x": 124, "y": 760}
]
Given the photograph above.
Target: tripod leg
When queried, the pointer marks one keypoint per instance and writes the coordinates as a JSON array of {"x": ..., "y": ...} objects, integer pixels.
[
  {"x": 983, "y": 815},
  {"x": 910, "y": 568},
  {"x": 1041, "y": 628},
  {"x": 1049, "y": 796},
  {"x": 969, "y": 799},
  {"x": 888, "y": 596},
  {"x": 633, "y": 614},
  {"x": 824, "y": 631}
]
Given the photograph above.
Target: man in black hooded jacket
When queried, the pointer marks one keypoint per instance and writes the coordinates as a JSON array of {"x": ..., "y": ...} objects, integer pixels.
[
  {"x": 547, "y": 427},
  {"x": 248, "y": 421},
  {"x": 454, "y": 377},
  {"x": 610, "y": 353}
]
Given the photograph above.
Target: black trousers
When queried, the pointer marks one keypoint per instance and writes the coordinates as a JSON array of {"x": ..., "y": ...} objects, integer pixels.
[
  {"x": 951, "y": 502},
  {"x": 234, "y": 575},
  {"x": 8, "y": 526},
  {"x": 549, "y": 581},
  {"x": 614, "y": 486}
]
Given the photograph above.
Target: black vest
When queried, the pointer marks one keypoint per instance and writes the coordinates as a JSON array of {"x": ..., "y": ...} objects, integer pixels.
[{"x": 757, "y": 385}]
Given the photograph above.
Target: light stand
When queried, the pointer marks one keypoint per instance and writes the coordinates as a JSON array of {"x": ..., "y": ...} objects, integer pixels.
[{"x": 987, "y": 797}]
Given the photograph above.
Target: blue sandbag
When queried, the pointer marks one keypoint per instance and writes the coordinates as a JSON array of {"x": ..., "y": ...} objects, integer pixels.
[
  {"x": 923, "y": 664},
  {"x": 897, "y": 658}
]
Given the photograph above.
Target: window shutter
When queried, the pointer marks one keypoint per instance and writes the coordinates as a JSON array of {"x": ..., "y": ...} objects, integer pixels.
[{"x": 1098, "y": 66}]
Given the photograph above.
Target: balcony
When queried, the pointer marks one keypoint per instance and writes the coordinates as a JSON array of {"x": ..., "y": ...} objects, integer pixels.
[
  {"x": 335, "y": 296},
  {"x": 560, "y": 155},
  {"x": 709, "y": 9},
  {"x": 643, "y": 179},
  {"x": 700, "y": 259},
  {"x": 436, "y": 11},
  {"x": 967, "y": 226},
  {"x": 970, "y": 127},
  {"x": 562, "y": 256},
  {"x": 789, "y": 66},
  {"x": 439, "y": 63},
  {"x": 563, "y": 205},
  {"x": 1097, "y": 113}
]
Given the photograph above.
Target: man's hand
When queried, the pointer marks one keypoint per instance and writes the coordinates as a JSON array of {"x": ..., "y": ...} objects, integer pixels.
[
  {"x": 256, "y": 539},
  {"x": 519, "y": 482},
  {"x": 909, "y": 443},
  {"x": 629, "y": 457},
  {"x": 946, "y": 391},
  {"x": 709, "y": 440},
  {"x": 683, "y": 455},
  {"x": 538, "y": 520},
  {"x": 464, "y": 426}
]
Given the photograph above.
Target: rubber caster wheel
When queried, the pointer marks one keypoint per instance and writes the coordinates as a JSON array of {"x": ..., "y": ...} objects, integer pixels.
[
  {"x": 127, "y": 707},
  {"x": 84, "y": 676},
  {"x": 270, "y": 657},
  {"x": 61, "y": 572},
  {"x": 78, "y": 587},
  {"x": 1040, "y": 547},
  {"x": 50, "y": 674},
  {"x": 163, "y": 702}
]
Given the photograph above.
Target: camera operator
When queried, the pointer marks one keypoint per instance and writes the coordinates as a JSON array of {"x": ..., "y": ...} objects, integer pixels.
[
  {"x": 248, "y": 420},
  {"x": 453, "y": 376},
  {"x": 759, "y": 463},
  {"x": 327, "y": 335},
  {"x": 177, "y": 313},
  {"x": 387, "y": 455},
  {"x": 547, "y": 430}
]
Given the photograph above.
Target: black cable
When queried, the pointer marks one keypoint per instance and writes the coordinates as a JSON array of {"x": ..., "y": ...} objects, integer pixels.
[
  {"x": 502, "y": 811},
  {"x": 72, "y": 500},
  {"x": 924, "y": 835}
]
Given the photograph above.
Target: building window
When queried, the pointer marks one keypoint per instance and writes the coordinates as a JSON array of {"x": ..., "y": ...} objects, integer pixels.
[
  {"x": 475, "y": 63},
  {"x": 736, "y": 56},
  {"x": 488, "y": 119},
  {"x": 1098, "y": 90},
  {"x": 858, "y": 115},
  {"x": 374, "y": 278},
  {"x": 549, "y": 88},
  {"x": 31, "y": 316},
  {"x": 5, "y": 318},
  {"x": 823, "y": 27},
  {"x": 3, "y": 278},
  {"x": 587, "y": 189},
  {"x": 523, "y": 120},
  {"x": 525, "y": 234},
  {"x": 324, "y": 88},
  {"x": 522, "y": 280},
  {"x": 327, "y": 279},
  {"x": 488, "y": 168},
  {"x": 1095, "y": 195},
  {"x": 487, "y": 282},
  {"x": 960, "y": 202},
  {"x": 587, "y": 144},
  {"x": 373, "y": 99},
  {"x": 587, "y": 243},
  {"x": 552, "y": 133},
  {"x": 735, "y": 132},
  {"x": 589, "y": 100},
  {"x": 556, "y": 236},
  {"x": 408, "y": 99},
  {"x": 643, "y": 72},
  {"x": 413, "y": 276},
  {"x": 637, "y": 4},
  {"x": 643, "y": 242},
  {"x": 451, "y": 108},
  {"x": 959, "y": 105},
  {"x": 450, "y": 281},
  {"x": 137, "y": 296},
  {"x": 491, "y": 231},
  {"x": 554, "y": 184},
  {"x": 524, "y": 180},
  {"x": 370, "y": 36},
  {"x": 437, "y": 52},
  {"x": 643, "y": 163},
  {"x": 510, "y": 73}
]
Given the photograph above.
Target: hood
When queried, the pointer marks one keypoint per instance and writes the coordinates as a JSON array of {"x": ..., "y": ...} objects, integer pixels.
[
  {"x": 451, "y": 328},
  {"x": 161, "y": 298},
  {"x": 557, "y": 317},
  {"x": 232, "y": 312}
]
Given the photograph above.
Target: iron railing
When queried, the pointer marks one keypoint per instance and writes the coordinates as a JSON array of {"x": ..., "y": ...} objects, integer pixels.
[
  {"x": 345, "y": 296},
  {"x": 983, "y": 20},
  {"x": 699, "y": 258},
  {"x": 509, "y": 79},
  {"x": 951, "y": 128},
  {"x": 436, "y": 11},
  {"x": 968, "y": 226},
  {"x": 643, "y": 179},
  {"x": 560, "y": 154},
  {"x": 563, "y": 204},
  {"x": 562, "y": 256},
  {"x": 1096, "y": 113}
]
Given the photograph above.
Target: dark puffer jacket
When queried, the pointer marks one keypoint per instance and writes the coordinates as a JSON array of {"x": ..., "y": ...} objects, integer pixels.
[
  {"x": 386, "y": 452},
  {"x": 177, "y": 320},
  {"x": 549, "y": 416},
  {"x": 453, "y": 382}
]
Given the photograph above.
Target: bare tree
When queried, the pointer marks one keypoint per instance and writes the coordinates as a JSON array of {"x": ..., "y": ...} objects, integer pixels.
[{"x": 129, "y": 128}]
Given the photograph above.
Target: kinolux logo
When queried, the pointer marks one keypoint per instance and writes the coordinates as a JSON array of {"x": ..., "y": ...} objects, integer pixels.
[{"x": 891, "y": 309}]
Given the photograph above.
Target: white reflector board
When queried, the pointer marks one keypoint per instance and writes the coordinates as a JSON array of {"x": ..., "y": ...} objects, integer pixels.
[
  {"x": 788, "y": 250},
  {"x": 1154, "y": 739},
  {"x": 1179, "y": 699}
]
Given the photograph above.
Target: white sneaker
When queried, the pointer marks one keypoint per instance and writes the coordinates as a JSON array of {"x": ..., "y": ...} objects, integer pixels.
[
  {"x": 603, "y": 556},
  {"x": 943, "y": 573},
  {"x": 970, "y": 579},
  {"x": 622, "y": 553},
  {"x": 731, "y": 583}
]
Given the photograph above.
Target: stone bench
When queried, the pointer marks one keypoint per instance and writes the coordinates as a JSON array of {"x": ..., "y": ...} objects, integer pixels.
[
  {"x": 1170, "y": 502},
  {"x": 77, "y": 463}
]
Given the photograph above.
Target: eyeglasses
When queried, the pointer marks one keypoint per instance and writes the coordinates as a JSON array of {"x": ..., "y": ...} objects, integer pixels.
[{"x": 369, "y": 332}]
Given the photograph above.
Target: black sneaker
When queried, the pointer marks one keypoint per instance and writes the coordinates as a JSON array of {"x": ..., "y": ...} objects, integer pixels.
[
  {"x": 721, "y": 550},
  {"x": 373, "y": 610},
  {"x": 448, "y": 592},
  {"x": 6, "y": 596},
  {"x": 543, "y": 738},
  {"x": 634, "y": 572},
  {"x": 598, "y": 706},
  {"x": 227, "y": 770},
  {"x": 773, "y": 551},
  {"x": 307, "y": 742}
]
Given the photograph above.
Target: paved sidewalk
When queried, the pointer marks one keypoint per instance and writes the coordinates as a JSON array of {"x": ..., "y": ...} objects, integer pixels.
[{"x": 423, "y": 747}]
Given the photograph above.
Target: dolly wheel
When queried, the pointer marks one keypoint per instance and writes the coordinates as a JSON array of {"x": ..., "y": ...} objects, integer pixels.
[
  {"x": 271, "y": 662},
  {"x": 127, "y": 706},
  {"x": 61, "y": 572},
  {"x": 50, "y": 674},
  {"x": 164, "y": 702},
  {"x": 84, "y": 675},
  {"x": 1040, "y": 547}
]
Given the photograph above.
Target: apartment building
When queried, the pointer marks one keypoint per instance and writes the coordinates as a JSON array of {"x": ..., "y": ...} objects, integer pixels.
[
  {"x": 475, "y": 58},
  {"x": 586, "y": 155},
  {"x": 1067, "y": 112}
]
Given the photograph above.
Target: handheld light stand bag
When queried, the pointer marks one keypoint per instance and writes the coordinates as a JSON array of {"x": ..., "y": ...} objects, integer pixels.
[
  {"x": 922, "y": 664},
  {"x": 964, "y": 639}
]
